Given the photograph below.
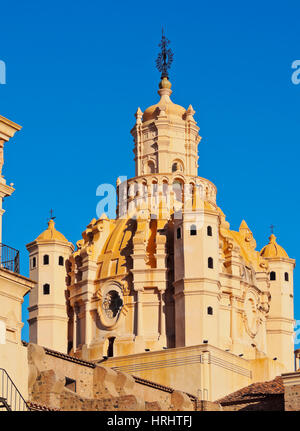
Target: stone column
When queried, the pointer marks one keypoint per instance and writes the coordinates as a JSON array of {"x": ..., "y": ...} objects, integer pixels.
[
  {"x": 75, "y": 312},
  {"x": 88, "y": 323},
  {"x": 139, "y": 303},
  {"x": 138, "y": 271},
  {"x": 234, "y": 324},
  {"x": 5, "y": 190},
  {"x": 162, "y": 316},
  {"x": 7, "y": 131}
]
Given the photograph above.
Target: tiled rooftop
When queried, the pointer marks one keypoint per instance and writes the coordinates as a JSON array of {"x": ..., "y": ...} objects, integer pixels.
[
  {"x": 256, "y": 390},
  {"x": 39, "y": 407}
]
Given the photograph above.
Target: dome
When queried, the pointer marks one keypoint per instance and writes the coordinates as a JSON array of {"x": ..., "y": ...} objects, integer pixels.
[
  {"x": 172, "y": 110},
  {"x": 51, "y": 234},
  {"x": 273, "y": 249}
]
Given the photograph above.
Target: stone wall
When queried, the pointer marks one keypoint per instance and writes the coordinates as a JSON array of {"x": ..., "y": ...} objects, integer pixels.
[
  {"x": 102, "y": 388},
  {"x": 204, "y": 371},
  {"x": 292, "y": 398},
  {"x": 97, "y": 387},
  {"x": 291, "y": 382},
  {"x": 207, "y": 406}
]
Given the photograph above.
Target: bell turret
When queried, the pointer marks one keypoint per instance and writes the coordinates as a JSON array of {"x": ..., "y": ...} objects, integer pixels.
[
  {"x": 280, "y": 321},
  {"x": 48, "y": 319}
]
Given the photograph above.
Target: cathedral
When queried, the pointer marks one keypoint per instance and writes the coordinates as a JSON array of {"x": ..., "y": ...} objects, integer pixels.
[{"x": 166, "y": 290}]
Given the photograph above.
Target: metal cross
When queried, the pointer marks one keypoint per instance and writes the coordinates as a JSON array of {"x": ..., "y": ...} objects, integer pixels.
[
  {"x": 272, "y": 228},
  {"x": 165, "y": 57},
  {"x": 51, "y": 215}
]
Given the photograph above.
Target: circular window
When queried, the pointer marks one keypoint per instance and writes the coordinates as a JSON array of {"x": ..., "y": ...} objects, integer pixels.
[{"x": 112, "y": 304}]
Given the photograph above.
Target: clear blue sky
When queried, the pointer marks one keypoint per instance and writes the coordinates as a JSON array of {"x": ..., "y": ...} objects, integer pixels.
[{"x": 78, "y": 70}]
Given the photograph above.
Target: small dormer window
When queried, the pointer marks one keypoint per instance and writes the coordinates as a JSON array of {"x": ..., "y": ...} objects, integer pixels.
[
  {"x": 272, "y": 275},
  {"x": 210, "y": 311},
  {"x": 286, "y": 276},
  {"x": 61, "y": 261},
  {"x": 178, "y": 234},
  {"x": 210, "y": 262},
  {"x": 209, "y": 231},
  {"x": 33, "y": 262},
  {"x": 46, "y": 259}
]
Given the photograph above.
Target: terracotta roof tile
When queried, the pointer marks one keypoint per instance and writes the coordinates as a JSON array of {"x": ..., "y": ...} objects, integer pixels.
[
  {"x": 256, "y": 390},
  {"x": 40, "y": 407}
]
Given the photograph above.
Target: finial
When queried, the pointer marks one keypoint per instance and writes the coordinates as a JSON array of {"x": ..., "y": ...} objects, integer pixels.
[
  {"x": 165, "y": 57},
  {"x": 51, "y": 220},
  {"x": 272, "y": 237},
  {"x": 189, "y": 113},
  {"x": 244, "y": 225},
  {"x": 138, "y": 115}
]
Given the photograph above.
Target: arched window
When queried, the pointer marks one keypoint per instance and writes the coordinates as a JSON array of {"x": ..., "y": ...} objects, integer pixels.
[
  {"x": 46, "y": 289},
  {"x": 165, "y": 188},
  {"x": 151, "y": 167},
  {"x": 193, "y": 230},
  {"x": 144, "y": 189},
  {"x": 61, "y": 261},
  {"x": 272, "y": 275},
  {"x": 110, "y": 349},
  {"x": 174, "y": 167},
  {"x": 46, "y": 259},
  {"x": 178, "y": 233},
  {"x": 210, "y": 311},
  {"x": 209, "y": 231},
  {"x": 177, "y": 166},
  {"x": 177, "y": 188},
  {"x": 286, "y": 276},
  {"x": 33, "y": 262},
  {"x": 210, "y": 262},
  {"x": 154, "y": 188}
]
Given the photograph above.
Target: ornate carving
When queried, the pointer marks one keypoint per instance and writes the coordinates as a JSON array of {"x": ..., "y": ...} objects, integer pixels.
[
  {"x": 251, "y": 315},
  {"x": 245, "y": 241},
  {"x": 264, "y": 265}
]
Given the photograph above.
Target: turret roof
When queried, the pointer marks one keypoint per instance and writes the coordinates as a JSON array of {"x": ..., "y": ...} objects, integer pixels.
[
  {"x": 51, "y": 234},
  {"x": 165, "y": 104},
  {"x": 273, "y": 249}
]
